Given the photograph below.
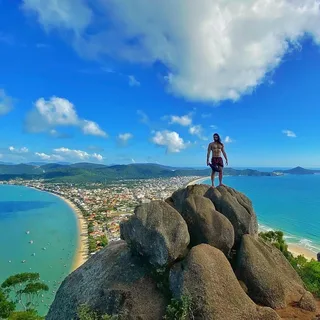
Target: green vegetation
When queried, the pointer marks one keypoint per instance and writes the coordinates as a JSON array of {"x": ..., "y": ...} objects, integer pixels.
[
  {"x": 86, "y": 313},
  {"x": 309, "y": 271},
  {"x": 179, "y": 309},
  {"x": 26, "y": 288},
  {"x": 92, "y": 244}
]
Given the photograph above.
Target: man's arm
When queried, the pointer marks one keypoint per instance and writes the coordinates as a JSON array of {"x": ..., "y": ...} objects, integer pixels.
[
  {"x": 224, "y": 154},
  {"x": 208, "y": 153}
]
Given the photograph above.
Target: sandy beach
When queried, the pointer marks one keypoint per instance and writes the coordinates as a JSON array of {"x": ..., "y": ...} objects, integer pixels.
[
  {"x": 297, "y": 250},
  {"x": 82, "y": 253},
  {"x": 293, "y": 248},
  {"x": 197, "y": 181}
]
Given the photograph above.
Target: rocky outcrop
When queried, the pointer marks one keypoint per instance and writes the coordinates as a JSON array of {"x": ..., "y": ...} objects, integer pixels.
[
  {"x": 188, "y": 237},
  {"x": 237, "y": 208},
  {"x": 111, "y": 282},
  {"x": 178, "y": 197},
  {"x": 206, "y": 225},
  {"x": 269, "y": 277},
  {"x": 232, "y": 204},
  {"x": 157, "y": 232},
  {"x": 207, "y": 277}
]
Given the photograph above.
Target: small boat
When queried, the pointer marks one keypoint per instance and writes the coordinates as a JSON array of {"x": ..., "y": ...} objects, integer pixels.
[
  {"x": 9, "y": 261},
  {"x": 23, "y": 261},
  {"x": 27, "y": 232},
  {"x": 31, "y": 241},
  {"x": 44, "y": 248},
  {"x": 33, "y": 254}
]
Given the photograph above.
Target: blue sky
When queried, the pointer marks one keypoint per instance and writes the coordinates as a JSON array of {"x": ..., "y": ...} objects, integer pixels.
[{"x": 123, "y": 82}]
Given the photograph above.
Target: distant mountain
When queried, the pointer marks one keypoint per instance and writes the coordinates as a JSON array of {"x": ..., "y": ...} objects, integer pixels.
[
  {"x": 299, "y": 170},
  {"x": 91, "y": 172},
  {"x": 6, "y": 163}
]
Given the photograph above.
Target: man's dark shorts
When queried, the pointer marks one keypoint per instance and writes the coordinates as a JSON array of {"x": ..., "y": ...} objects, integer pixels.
[{"x": 216, "y": 164}]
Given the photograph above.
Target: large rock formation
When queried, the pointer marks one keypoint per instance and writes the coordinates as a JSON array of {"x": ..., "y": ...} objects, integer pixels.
[
  {"x": 158, "y": 232},
  {"x": 269, "y": 277},
  {"x": 207, "y": 277},
  {"x": 206, "y": 225},
  {"x": 111, "y": 282},
  {"x": 123, "y": 279},
  {"x": 237, "y": 208},
  {"x": 231, "y": 203}
]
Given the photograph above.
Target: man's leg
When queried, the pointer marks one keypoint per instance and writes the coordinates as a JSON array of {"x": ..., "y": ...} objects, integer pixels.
[
  {"x": 220, "y": 177},
  {"x": 212, "y": 177}
]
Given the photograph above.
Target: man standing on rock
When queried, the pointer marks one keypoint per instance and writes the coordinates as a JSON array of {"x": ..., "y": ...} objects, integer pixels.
[{"x": 216, "y": 164}]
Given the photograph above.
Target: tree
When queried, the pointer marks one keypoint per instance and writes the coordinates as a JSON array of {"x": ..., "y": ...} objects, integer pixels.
[
  {"x": 6, "y": 306},
  {"x": 309, "y": 271},
  {"x": 26, "y": 287}
]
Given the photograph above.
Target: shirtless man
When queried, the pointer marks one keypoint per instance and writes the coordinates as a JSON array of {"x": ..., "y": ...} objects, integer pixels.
[{"x": 216, "y": 164}]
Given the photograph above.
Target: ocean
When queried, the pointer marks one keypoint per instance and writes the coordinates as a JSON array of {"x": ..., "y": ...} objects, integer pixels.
[
  {"x": 289, "y": 203},
  {"x": 41, "y": 229}
]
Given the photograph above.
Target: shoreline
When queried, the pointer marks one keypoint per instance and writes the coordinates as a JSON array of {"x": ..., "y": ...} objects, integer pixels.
[
  {"x": 82, "y": 251},
  {"x": 198, "y": 180},
  {"x": 294, "y": 248}
]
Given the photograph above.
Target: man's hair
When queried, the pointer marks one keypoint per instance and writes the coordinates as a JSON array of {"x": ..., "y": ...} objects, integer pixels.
[{"x": 219, "y": 139}]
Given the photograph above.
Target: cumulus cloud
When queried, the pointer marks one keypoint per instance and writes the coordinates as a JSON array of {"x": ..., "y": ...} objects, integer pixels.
[
  {"x": 213, "y": 126},
  {"x": 133, "y": 82},
  {"x": 289, "y": 133},
  {"x": 185, "y": 120},
  {"x": 49, "y": 157},
  {"x": 170, "y": 140},
  {"x": 228, "y": 139},
  {"x": 92, "y": 128},
  {"x": 18, "y": 150},
  {"x": 213, "y": 50},
  {"x": 123, "y": 138},
  {"x": 6, "y": 103},
  {"x": 77, "y": 154},
  {"x": 48, "y": 114}
]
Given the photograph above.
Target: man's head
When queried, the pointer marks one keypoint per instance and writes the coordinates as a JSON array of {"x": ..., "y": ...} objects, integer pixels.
[{"x": 216, "y": 138}]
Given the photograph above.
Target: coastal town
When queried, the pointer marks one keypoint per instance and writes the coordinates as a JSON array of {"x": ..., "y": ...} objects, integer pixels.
[{"x": 100, "y": 208}]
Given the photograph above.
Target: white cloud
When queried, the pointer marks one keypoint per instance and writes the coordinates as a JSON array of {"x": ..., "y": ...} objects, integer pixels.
[
  {"x": 206, "y": 115},
  {"x": 133, "y": 82},
  {"x": 6, "y": 103},
  {"x": 133, "y": 161},
  {"x": 78, "y": 154},
  {"x": 48, "y": 114},
  {"x": 143, "y": 117},
  {"x": 289, "y": 133},
  {"x": 70, "y": 14},
  {"x": 92, "y": 128},
  {"x": 228, "y": 139},
  {"x": 124, "y": 137},
  {"x": 97, "y": 156},
  {"x": 49, "y": 157},
  {"x": 185, "y": 120},
  {"x": 213, "y": 50},
  {"x": 17, "y": 150},
  {"x": 169, "y": 139},
  {"x": 196, "y": 130},
  {"x": 213, "y": 126}
]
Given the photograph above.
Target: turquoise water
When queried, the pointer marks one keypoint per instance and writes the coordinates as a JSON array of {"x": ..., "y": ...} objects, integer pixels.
[
  {"x": 53, "y": 229},
  {"x": 290, "y": 203}
]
